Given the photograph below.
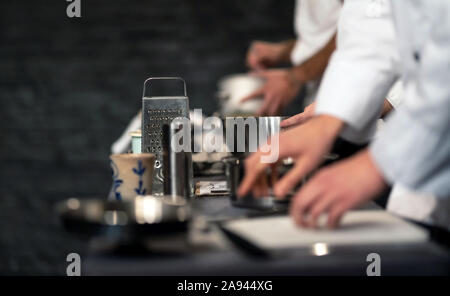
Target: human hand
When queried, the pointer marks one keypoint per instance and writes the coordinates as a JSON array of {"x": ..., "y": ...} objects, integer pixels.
[
  {"x": 337, "y": 188},
  {"x": 299, "y": 118},
  {"x": 279, "y": 90},
  {"x": 307, "y": 144},
  {"x": 262, "y": 185},
  {"x": 261, "y": 54}
]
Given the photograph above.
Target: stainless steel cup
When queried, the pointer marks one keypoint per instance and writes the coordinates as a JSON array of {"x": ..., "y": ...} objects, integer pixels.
[
  {"x": 233, "y": 173},
  {"x": 177, "y": 166}
]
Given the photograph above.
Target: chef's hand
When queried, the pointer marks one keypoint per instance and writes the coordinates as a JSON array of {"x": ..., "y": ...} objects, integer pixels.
[
  {"x": 300, "y": 118},
  {"x": 262, "y": 185},
  {"x": 307, "y": 144},
  {"x": 337, "y": 188},
  {"x": 279, "y": 90},
  {"x": 262, "y": 54}
]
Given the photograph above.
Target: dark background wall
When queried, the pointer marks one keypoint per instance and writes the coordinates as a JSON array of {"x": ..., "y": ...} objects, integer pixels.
[{"x": 68, "y": 88}]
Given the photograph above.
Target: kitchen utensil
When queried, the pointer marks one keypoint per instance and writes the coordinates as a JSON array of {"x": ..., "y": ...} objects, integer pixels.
[
  {"x": 156, "y": 111},
  {"x": 233, "y": 173},
  {"x": 177, "y": 166},
  {"x": 360, "y": 227},
  {"x": 143, "y": 217}
]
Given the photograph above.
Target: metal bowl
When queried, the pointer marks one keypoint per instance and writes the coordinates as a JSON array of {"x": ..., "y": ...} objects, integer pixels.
[{"x": 142, "y": 217}]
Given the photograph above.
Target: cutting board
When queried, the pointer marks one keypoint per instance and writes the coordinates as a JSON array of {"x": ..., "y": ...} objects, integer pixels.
[{"x": 357, "y": 228}]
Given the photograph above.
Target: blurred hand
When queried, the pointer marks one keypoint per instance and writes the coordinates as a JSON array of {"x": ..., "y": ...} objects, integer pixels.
[
  {"x": 262, "y": 185},
  {"x": 335, "y": 189},
  {"x": 262, "y": 54},
  {"x": 300, "y": 118},
  {"x": 278, "y": 91},
  {"x": 307, "y": 144}
]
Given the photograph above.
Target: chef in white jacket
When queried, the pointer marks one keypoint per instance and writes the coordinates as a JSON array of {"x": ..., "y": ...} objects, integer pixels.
[
  {"x": 374, "y": 48},
  {"x": 425, "y": 208},
  {"x": 315, "y": 24}
]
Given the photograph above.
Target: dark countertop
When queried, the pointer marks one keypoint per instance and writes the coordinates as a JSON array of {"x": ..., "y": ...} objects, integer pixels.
[{"x": 229, "y": 259}]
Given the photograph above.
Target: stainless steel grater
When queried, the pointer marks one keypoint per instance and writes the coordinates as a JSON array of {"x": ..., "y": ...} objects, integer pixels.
[{"x": 157, "y": 111}]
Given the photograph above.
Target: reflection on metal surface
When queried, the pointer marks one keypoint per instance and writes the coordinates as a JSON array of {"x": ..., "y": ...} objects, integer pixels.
[
  {"x": 148, "y": 210},
  {"x": 174, "y": 200},
  {"x": 157, "y": 111},
  {"x": 115, "y": 218},
  {"x": 320, "y": 249}
]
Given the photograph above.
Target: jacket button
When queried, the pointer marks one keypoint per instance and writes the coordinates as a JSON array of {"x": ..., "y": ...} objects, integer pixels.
[{"x": 416, "y": 56}]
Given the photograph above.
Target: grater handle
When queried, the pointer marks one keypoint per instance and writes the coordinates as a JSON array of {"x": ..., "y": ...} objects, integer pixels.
[{"x": 164, "y": 78}]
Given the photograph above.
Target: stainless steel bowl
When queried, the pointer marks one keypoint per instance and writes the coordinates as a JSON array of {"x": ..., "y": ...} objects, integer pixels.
[{"x": 142, "y": 217}]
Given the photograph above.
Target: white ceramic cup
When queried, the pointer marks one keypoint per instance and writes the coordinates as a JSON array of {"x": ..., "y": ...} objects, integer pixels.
[
  {"x": 132, "y": 175},
  {"x": 233, "y": 88}
]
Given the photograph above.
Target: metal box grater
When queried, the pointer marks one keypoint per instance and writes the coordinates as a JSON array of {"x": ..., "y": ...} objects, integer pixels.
[{"x": 157, "y": 111}]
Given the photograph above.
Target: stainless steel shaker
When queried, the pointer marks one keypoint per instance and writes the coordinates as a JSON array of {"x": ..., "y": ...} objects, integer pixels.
[
  {"x": 233, "y": 173},
  {"x": 177, "y": 168}
]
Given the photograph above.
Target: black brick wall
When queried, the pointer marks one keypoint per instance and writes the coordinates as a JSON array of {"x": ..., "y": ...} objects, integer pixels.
[{"x": 69, "y": 86}]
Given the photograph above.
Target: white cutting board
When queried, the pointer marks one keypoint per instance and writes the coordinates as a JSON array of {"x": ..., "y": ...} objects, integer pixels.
[{"x": 356, "y": 228}]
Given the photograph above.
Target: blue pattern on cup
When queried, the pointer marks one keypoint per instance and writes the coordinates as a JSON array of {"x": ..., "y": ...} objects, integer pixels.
[
  {"x": 140, "y": 170},
  {"x": 116, "y": 181}
]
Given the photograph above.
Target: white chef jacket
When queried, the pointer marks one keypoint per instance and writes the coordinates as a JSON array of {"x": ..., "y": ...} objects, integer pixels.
[
  {"x": 413, "y": 149},
  {"x": 315, "y": 23},
  {"x": 360, "y": 71},
  {"x": 423, "y": 207},
  {"x": 395, "y": 95},
  {"x": 421, "y": 125}
]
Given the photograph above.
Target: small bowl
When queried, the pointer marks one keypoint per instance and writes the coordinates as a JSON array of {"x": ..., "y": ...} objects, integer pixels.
[{"x": 143, "y": 217}]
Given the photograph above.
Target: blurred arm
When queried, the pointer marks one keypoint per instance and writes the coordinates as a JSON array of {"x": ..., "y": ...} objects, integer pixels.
[{"x": 314, "y": 67}]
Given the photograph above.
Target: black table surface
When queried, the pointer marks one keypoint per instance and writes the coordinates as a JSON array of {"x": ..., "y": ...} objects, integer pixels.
[{"x": 231, "y": 259}]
